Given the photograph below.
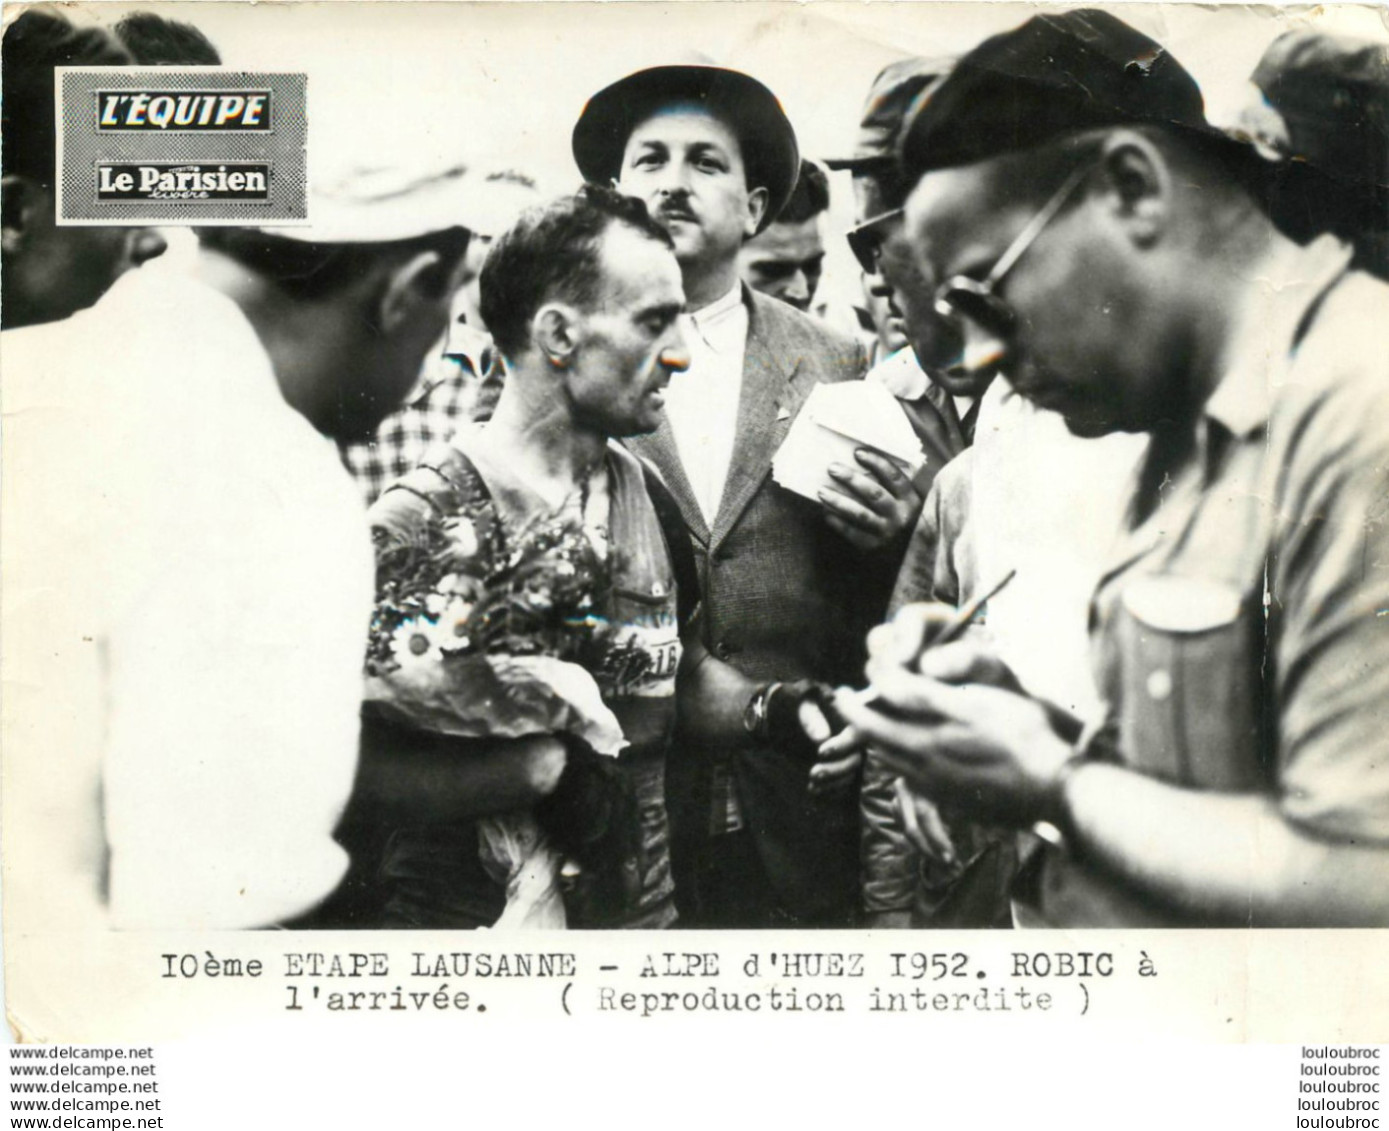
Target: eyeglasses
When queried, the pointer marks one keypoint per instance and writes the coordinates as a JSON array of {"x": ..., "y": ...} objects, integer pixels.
[
  {"x": 866, "y": 240},
  {"x": 963, "y": 299}
]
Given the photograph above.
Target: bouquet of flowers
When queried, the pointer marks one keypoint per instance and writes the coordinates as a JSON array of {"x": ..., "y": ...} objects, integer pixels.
[{"x": 478, "y": 634}]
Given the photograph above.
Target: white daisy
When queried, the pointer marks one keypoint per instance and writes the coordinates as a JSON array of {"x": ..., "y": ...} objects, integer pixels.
[{"x": 417, "y": 643}]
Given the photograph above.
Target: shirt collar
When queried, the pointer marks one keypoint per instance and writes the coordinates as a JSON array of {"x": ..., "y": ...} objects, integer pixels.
[
  {"x": 1281, "y": 291},
  {"x": 714, "y": 322},
  {"x": 434, "y": 371},
  {"x": 902, "y": 375},
  {"x": 720, "y": 307}
]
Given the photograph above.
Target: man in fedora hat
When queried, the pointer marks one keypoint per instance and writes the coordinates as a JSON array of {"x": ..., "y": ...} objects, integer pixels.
[
  {"x": 1097, "y": 239},
  {"x": 788, "y": 585}
]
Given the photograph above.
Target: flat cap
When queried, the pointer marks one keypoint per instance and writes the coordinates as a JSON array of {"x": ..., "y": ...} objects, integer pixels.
[
  {"x": 1329, "y": 102},
  {"x": 1054, "y": 75},
  {"x": 892, "y": 94},
  {"x": 366, "y": 203}
]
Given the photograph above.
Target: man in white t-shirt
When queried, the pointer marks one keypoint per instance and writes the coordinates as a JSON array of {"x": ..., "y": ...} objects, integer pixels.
[{"x": 188, "y": 572}]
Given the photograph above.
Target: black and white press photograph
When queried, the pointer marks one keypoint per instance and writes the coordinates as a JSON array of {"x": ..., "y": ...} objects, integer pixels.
[{"x": 889, "y": 468}]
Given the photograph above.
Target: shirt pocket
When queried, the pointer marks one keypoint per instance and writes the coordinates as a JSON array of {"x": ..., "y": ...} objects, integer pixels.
[{"x": 1190, "y": 651}]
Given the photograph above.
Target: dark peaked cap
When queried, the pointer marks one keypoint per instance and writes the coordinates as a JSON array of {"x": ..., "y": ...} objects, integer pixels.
[
  {"x": 1055, "y": 75},
  {"x": 768, "y": 143}
]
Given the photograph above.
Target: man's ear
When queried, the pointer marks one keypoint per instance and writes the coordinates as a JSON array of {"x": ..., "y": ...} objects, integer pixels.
[
  {"x": 758, "y": 200},
  {"x": 1139, "y": 185},
  {"x": 555, "y": 331},
  {"x": 20, "y": 200},
  {"x": 410, "y": 285}
]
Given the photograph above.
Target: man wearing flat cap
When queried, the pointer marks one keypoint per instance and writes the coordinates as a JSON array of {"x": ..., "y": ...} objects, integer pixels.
[
  {"x": 1099, "y": 241},
  {"x": 1027, "y": 497},
  {"x": 941, "y": 403},
  {"x": 195, "y": 561},
  {"x": 766, "y": 835},
  {"x": 1319, "y": 106},
  {"x": 942, "y": 406}
]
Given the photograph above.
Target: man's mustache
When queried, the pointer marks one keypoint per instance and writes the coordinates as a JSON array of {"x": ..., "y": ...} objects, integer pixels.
[{"x": 674, "y": 210}]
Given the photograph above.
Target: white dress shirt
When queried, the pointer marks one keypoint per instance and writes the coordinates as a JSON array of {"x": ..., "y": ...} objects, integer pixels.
[
  {"x": 702, "y": 402},
  {"x": 901, "y": 374}
]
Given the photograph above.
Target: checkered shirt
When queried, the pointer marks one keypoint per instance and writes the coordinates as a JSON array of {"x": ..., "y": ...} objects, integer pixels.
[{"x": 446, "y": 396}]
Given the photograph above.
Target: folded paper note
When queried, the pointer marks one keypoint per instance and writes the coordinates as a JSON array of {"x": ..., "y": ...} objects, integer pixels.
[{"x": 834, "y": 422}]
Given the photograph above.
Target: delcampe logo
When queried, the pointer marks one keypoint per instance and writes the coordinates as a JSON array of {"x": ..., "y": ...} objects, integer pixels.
[{"x": 203, "y": 146}]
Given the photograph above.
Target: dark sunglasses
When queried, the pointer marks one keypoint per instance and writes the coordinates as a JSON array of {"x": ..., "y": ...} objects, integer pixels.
[{"x": 866, "y": 240}]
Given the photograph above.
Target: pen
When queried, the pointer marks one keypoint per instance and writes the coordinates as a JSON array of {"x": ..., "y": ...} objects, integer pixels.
[
  {"x": 948, "y": 632},
  {"x": 952, "y": 628}
]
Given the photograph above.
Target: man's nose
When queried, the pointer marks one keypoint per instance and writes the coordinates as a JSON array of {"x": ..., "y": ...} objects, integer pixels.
[
  {"x": 878, "y": 287},
  {"x": 676, "y": 355},
  {"x": 673, "y": 179},
  {"x": 798, "y": 288},
  {"x": 980, "y": 350},
  {"x": 145, "y": 244}
]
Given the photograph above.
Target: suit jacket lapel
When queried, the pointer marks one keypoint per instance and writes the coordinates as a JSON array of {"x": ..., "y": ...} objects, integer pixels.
[
  {"x": 954, "y": 427},
  {"x": 770, "y": 397},
  {"x": 937, "y": 425},
  {"x": 659, "y": 447}
]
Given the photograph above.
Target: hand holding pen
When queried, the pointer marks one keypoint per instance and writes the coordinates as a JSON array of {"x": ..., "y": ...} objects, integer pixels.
[
  {"x": 917, "y": 629},
  {"x": 953, "y": 721}
]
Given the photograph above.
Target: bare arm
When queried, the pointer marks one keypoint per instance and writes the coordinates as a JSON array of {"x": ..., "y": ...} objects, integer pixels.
[{"x": 1228, "y": 858}]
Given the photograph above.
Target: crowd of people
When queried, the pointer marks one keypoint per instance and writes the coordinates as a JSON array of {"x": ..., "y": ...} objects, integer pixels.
[{"x": 1114, "y": 651}]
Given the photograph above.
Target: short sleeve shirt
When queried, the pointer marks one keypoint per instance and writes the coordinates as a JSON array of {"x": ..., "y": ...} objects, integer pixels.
[
  {"x": 1241, "y": 639},
  {"x": 196, "y": 581}
]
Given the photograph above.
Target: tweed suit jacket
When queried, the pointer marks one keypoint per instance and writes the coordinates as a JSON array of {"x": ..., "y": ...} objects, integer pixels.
[{"x": 784, "y": 598}]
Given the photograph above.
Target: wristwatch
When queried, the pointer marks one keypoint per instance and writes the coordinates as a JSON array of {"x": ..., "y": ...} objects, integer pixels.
[{"x": 755, "y": 713}]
